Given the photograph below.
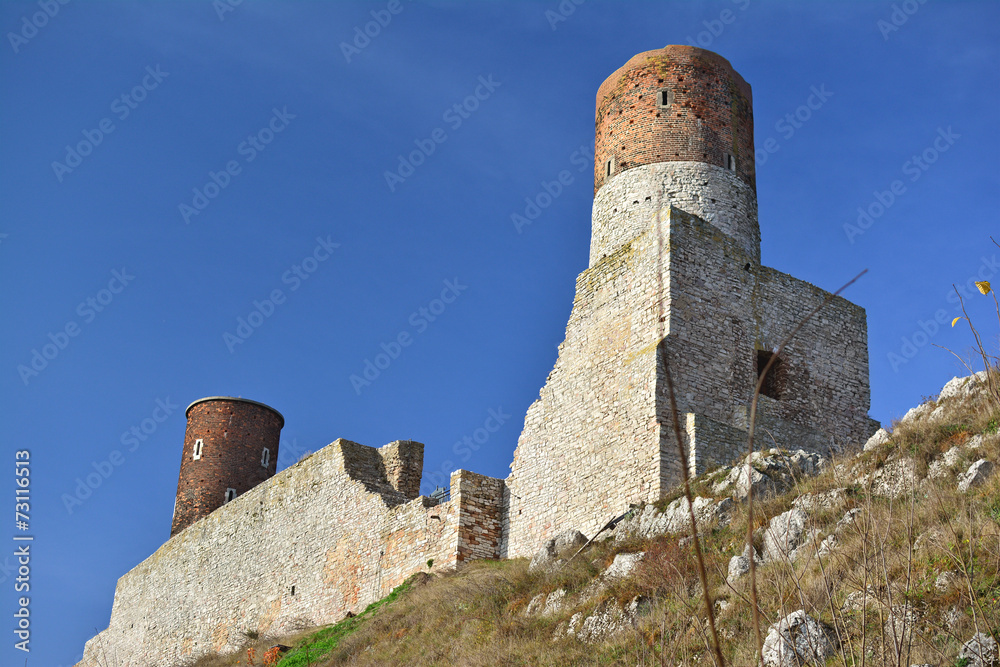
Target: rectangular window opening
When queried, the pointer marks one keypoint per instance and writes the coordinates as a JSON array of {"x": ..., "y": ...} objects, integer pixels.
[
  {"x": 198, "y": 444},
  {"x": 609, "y": 167},
  {"x": 230, "y": 495},
  {"x": 265, "y": 457},
  {"x": 774, "y": 380}
]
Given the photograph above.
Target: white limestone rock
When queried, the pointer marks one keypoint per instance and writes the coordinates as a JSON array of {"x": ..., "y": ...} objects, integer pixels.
[
  {"x": 547, "y": 557},
  {"x": 797, "y": 640},
  {"x": 947, "y": 581},
  {"x": 827, "y": 500},
  {"x": 674, "y": 519},
  {"x": 827, "y": 546},
  {"x": 894, "y": 479},
  {"x": 977, "y": 473},
  {"x": 980, "y": 651},
  {"x": 740, "y": 565},
  {"x": 899, "y": 624},
  {"x": 770, "y": 472},
  {"x": 941, "y": 466},
  {"x": 610, "y": 619},
  {"x": 535, "y": 605},
  {"x": 917, "y": 413},
  {"x": 554, "y": 603},
  {"x": 784, "y": 534},
  {"x": 962, "y": 387},
  {"x": 850, "y": 519},
  {"x": 623, "y": 565},
  {"x": 880, "y": 438}
]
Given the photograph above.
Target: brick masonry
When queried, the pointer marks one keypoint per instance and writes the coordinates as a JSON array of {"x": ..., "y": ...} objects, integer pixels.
[
  {"x": 234, "y": 433},
  {"x": 674, "y": 284}
]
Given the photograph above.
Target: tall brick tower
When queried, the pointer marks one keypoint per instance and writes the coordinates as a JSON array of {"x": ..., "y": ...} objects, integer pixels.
[
  {"x": 675, "y": 279},
  {"x": 230, "y": 446}
]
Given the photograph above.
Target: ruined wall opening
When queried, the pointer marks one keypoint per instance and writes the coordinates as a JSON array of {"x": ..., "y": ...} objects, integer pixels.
[{"x": 774, "y": 381}]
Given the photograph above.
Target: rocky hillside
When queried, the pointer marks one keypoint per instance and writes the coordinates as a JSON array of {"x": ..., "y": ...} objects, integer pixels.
[{"x": 885, "y": 556}]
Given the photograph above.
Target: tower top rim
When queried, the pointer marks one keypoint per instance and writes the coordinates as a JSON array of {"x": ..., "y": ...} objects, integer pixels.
[
  {"x": 236, "y": 400},
  {"x": 677, "y": 53}
]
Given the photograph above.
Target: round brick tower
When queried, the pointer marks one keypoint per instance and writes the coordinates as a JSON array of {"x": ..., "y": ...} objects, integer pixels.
[
  {"x": 230, "y": 446},
  {"x": 674, "y": 126}
]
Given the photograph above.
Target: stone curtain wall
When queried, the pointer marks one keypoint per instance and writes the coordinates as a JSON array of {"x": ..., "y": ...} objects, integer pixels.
[
  {"x": 827, "y": 390},
  {"x": 711, "y": 444},
  {"x": 330, "y": 526}
]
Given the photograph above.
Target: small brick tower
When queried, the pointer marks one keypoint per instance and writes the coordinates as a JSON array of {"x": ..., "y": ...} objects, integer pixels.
[{"x": 230, "y": 446}]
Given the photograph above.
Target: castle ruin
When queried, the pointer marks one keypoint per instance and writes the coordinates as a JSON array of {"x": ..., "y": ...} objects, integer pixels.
[{"x": 674, "y": 280}]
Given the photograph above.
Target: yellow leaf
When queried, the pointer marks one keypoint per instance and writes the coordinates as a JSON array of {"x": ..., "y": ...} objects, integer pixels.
[
  {"x": 984, "y": 286},
  {"x": 954, "y": 321}
]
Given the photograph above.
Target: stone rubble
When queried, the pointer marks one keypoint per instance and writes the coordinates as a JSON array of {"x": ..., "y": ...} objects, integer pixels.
[
  {"x": 977, "y": 473},
  {"x": 550, "y": 555},
  {"x": 798, "y": 639},
  {"x": 980, "y": 651}
]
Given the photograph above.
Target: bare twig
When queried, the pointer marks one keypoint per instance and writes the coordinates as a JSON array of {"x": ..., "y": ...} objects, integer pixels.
[{"x": 753, "y": 418}]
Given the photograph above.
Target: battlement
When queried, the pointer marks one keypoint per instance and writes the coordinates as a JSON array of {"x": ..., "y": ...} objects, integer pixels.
[{"x": 393, "y": 470}]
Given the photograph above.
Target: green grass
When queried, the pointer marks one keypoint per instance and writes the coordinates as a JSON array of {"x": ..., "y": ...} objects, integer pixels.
[{"x": 317, "y": 646}]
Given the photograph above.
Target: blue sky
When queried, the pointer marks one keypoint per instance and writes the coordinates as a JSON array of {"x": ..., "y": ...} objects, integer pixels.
[{"x": 277, "y": 138}]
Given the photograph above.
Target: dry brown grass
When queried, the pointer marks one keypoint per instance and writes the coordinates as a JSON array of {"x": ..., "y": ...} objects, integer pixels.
[{"x": 476, "y": 616}]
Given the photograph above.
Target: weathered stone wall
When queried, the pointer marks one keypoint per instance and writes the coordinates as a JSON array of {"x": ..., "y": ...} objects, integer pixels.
[
  {"x": 601, "y": 436},
  {"x": 327, "y": 536},
  {"x": 827, "y": 390},
  {"x": 590, "y": 442},
  {"x": 627, "y": 202}
]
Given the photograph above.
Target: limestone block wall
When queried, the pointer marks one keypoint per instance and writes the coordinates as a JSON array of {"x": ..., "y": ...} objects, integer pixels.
[
  {"x": 326, "y": 536},
  {"x": 827, "y": 388},
  {"x": 600, "y": 436},
  {"x": 710, "y": 444},
  {"x": 589, "y": 444},
  {"x": 480, "y": 502},
  {"x": 627, "y": 201}
]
